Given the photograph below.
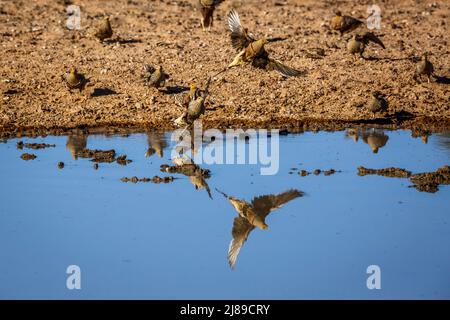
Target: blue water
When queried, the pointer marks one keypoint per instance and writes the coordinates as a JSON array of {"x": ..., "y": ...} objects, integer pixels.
[{"x": 170, "y": 241}]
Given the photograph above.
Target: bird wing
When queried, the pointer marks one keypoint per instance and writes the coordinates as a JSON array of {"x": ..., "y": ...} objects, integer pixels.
[
  {"x": 369, "y": 36},
  {"x": 182, "y": 99},
  {"x": 240, "y": 38},
  {"x": 199, "y": 182},
  {"x": 283, "y": 69},
  {"x": 196, "y": 107},
  {"x": 264, "y": 205},
  {"x": 350, "y": 22},
  {"x": 241, "y": 230}
]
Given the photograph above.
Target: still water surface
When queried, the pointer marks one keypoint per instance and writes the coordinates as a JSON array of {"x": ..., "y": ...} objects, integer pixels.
[{"x": 171, "y": 241}]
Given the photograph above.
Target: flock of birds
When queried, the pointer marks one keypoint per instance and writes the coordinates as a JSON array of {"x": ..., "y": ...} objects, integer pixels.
[{"x": 250, "y": 50}]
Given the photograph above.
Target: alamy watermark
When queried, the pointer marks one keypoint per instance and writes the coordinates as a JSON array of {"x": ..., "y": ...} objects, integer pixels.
[
  {"x": 374, "y": 280},
  {"x": 374, "y": 18},
  {"x": 230, "y": 147},
  {"x": 74, "y": 279},
  {"x": 73, "y": 21}
]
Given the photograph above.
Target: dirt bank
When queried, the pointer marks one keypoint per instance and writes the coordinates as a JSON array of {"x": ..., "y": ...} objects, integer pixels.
[{"x": 36, "y": 48}]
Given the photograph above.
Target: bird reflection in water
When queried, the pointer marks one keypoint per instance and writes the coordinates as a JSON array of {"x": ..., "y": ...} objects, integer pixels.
[
  {"x": 375, "y": 138},
  {"x": 251, "y": 215},
  {"x": 183, "y": 164},
  {"x": 156, "y": 144},
  {"x": 76, "y": 143}
]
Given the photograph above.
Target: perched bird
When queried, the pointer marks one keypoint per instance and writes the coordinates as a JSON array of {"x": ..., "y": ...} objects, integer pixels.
[
  {"x": 344, "y": 24},
  {"x": 251, "y": 215},
  {"x": 424, "y": 67},
  {"x": 376, "y": 139},
  {"x": 207, "y": 8},
  {"x": 75, "y": 144},
  {"x": 154, "y": 77},
  {"x": 194, "y": 102},
  {"x": 358, "y": 43},
  {"x": 74, "y": 80},
  {"x": 103, "y": 30},
  {"x": 377, "y": 102}
]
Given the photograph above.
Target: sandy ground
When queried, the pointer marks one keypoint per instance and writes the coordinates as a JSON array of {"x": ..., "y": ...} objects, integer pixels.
[{"x": 36, "y": 48}]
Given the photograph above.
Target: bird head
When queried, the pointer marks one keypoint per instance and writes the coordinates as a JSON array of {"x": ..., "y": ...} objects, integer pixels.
[
  {"x": 376, "y": 94},
  {"x": 193, "y": 88},
  {"x": 260, "y": 224},
  {"x": 73, "y": 71},
  {"x": 338, "y": 13},
  {"x": 264, "y": 41},
  {"x": 106, "y": 18}
]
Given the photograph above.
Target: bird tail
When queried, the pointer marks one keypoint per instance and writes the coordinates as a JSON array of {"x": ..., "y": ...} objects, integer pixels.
[
  {"x": 276, "y": 39},
  {"x": 369, "y": 36},
  {"x": 220, "y": 72},
  {"x": 283, "y": 69},
  {"x": 207, "y": 85},
  {"x": 224, "y": 194}
]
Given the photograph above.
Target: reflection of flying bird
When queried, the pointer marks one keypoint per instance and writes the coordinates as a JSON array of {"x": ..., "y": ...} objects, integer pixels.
[
  {"x": 376, "y": 139},
  {"x": 252, "y": 50},
  {"x": 197, "y": 176},
  {"x": 156, "y": 144},
  {"x": 253, "y": 215},
  {"x": 75, "y": 144}
]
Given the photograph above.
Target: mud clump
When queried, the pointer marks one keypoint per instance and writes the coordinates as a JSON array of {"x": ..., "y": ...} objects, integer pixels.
[
  {"x": 387, "y": 172},
  {"x": 123, "y": 161},
  {"x": 155, "y": 179},
  {"x": 35, "y": 146},
  {"x": 430, "y": 181},
  {"x": 60, "y": 165},
  {"x": 304, "y": 173},
  {"x": 28, "y": 156},
  {"x": 104, "y": 156},
  {"x": 424, "y": 182},
  {"x": 186, "y": 169}
]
